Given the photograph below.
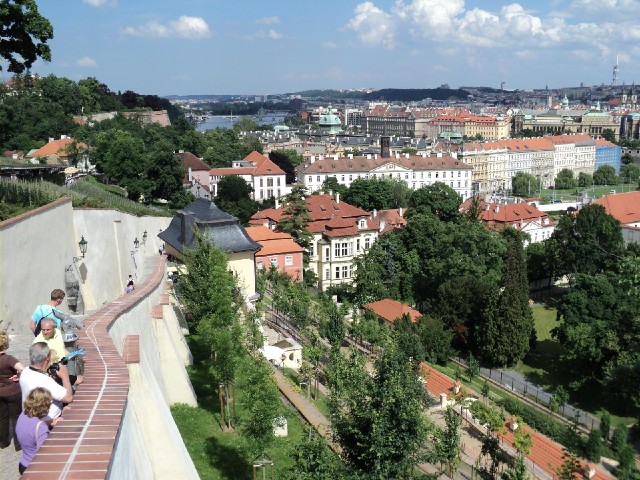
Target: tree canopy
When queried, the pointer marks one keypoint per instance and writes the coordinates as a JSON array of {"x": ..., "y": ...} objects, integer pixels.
[
  {"x": 25, "y": 34},
  {"x": 438, "y": 199}
]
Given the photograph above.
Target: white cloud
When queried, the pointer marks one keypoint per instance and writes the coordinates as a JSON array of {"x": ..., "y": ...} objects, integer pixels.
[
  {"x": 373, "y": 26},
  {"x": 100, "y": 3},
  {"x": 183, "y": 27},
  {"x": 268, "y": 20},
  {"x": 262, "y": 34},
  {"x": 86, "y": 62}
]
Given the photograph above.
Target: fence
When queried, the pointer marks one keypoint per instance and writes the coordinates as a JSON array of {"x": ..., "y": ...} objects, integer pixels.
[{"x": 533, "y": 392}]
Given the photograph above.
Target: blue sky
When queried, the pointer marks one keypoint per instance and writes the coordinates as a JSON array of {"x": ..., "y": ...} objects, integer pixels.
[{"x": 275, "y": 46}]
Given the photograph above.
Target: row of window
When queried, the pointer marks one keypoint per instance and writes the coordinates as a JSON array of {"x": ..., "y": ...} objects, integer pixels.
[
  {"x": 343, "y": 249},
  {"x": 269, "y": 182},
  {"x": 343, "y": 271},
  {"x": 343, "y": 178},
  {"x": 273, "y": 261}
]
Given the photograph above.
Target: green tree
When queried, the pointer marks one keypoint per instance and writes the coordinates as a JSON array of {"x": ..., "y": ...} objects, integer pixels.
[
  {"x": 508, "y": 323},
  {"x": 565, "y": 179},
  {"x": 609, "y": 134},
  {"x": 435, "y": 339},
  {"x": 630, "y": 173},
  {"x": 376, "y": 193},
  {"x": 619, "y": 438},
  {"x": 605, "y": 175},
  {"x": 281, "y": 159},
  {"x": 245, "y": 124},
  {"x": 558, "y": 399},
  {"x": 312, "y": 460},
  {"x": 605, "y": 425},
  {"x": 233, "y": 188},
  {"x": 524, "y": 183},
  {"x": 296, "y": 218},
  {"x": 585, "y": 180},
  {"x": 25, "y": 34},
  {"x": 222, "y": 147},
  {"x": 409, "y": 150},
  {"x": 593, "y": 447},
  {"x": 165, "y": 171},
  {"x": 446, "y": 443},
  {"x": 570, "y": 468},
  {"x": 261, "y": 403},
  {"x": 473, "y": 367},
  {"x": 209, "y": 292},
  {"x": 331, "y": 185},
  {"x": 377, "y": 420},
  {"x": 438, "y": 199}
]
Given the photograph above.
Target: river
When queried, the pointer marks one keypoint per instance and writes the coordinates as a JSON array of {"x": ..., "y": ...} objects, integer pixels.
[{"x": 224, "y": 121}]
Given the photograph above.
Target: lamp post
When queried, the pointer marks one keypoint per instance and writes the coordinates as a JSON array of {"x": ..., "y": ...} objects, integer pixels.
[
  {"x": 144, "y": 238},
  {"x": 83, "y": 245},
  {"x": 136, "y": 243}
]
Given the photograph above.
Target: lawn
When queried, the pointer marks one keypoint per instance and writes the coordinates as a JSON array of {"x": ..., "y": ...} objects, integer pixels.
[
  {"x": 570, "y": 195},
  {"x": 220, "y": 455}
]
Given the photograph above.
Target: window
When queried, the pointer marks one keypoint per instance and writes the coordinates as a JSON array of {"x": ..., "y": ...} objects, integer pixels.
[
  {"x": 261, "y": 182},
  {"x": 327, "y": 254},
  {"x": 367, "y": 243},
  {"x": 337, "y": 272},
  {"x": 274, "y": 261},
  {"x": 259, "y": 265},
  {"x": 278, "y": 181},
  {"x": 342, "y": 178},
  {"x": 350, "y": 177},
  {"x": 406, "y": 176},
  {"x": 345, "y": 271},
  {"x": 336, "y": 250},
  {"x": 309, "y": 179},
  {"x": 269, "y": 182},
  {"x": 311, "y": 250},
  {"x": 318, "y": 179},
  {"x": 327, "y": 274},
  {"x": 288, "y": 260},
  {"x": 444, "y": 174},
  {"x": 357, "y": 244}
]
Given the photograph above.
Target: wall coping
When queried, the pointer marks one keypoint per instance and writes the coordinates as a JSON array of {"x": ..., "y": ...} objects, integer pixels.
[
  {"x": 36, "y": 211},
  {"x": 81, "y": 446}
]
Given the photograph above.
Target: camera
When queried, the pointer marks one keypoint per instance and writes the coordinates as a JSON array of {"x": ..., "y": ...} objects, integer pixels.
[{"x": 55, "y": 366}]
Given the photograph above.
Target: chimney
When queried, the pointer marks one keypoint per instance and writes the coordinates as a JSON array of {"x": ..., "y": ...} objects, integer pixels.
[
  {"x": 369, "y": 156},
  {"x": 406, "y": 155},
  {"x": 350, "y": 156},
  {"x": 487, "y": 207},
  {"x": 190, "y": 175},
  {"x": 497, "y": 209},
  {"x": 337, "y": 197},
  {"x": 375, "y": 213},
  {"x": 382, "y": 224},
  {"x": 277, "y": 203},
  {"x": 454, "y": 154},
  {"x": 51, "y": 139},
  {"x": 375, "y": 156},
  {"x": 335, "y": 157},
  {"x": 400, "y": 211},
  {"x": 384, "y": 146},
  {"x": 312, "y": 159},
  {"x": 180, "y": 151},
  {"x": 439, "y": 155}
]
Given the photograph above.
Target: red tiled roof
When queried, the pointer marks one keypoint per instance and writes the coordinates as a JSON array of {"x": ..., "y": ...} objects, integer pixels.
[
  {"x": 276, "y": 247},
  {"x": 364, "y": 164},
  {"x": 260, "y": 233},
  {"x": 264, "y": 166},
  {"x": 391, "y": 310},
  {"x": 190, "y": 161},
  {"x": 624, "y": 207},
  {"x": 56, "y": 147},
  {"x": 214, "y": 172},
  {"x": 437, "y": 382},
  {"x": 601, "y": 142}
]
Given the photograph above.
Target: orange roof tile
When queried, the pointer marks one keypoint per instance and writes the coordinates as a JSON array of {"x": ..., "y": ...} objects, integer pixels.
[
  {"x": 260, "y": 233},
  {"x": 190, "y": 161},
  {"x": 57, "y": 147},
  {"x": 263, "y": 165},
  {"x": 391, "y": 310},
  {"x": 624, "y": 207},
  {"x": 276, "y": 247},
  {"x": 231, "y": 171}
]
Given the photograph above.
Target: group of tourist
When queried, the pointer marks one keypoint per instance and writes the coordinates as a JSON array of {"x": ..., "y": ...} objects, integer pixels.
[{"x": 33, "y": 398}]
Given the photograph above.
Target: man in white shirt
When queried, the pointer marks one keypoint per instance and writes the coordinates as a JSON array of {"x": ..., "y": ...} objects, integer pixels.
[{"x": 36, "y": 376}]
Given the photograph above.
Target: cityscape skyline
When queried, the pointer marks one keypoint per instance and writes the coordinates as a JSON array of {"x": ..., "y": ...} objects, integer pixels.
[{"x": 204, "y": 47}]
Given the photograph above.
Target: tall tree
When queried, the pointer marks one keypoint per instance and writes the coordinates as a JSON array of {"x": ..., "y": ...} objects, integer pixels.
[
  {"x": 25, "y": 34},
  {"x": 296, "y": 218},
  {"x": 508, "y": 323},
  {"x": 565, "y": 179},
  {"x": 376, "y": 193},
  {"x": 281, "y": 159},
  {"x": 525, "y": 184},
  {"x": 447, "y": 442},
  {"x": 605, "y": 175},
  {"x": 377, "y": 420},
  {"x": 439, "y": 199}
]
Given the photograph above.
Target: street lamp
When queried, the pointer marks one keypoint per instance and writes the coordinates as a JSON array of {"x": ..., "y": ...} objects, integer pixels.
[
  {"x": 136, "y": 243},
  {"x": 83, "y": 245},
  {"x": 144, "y": 237}
]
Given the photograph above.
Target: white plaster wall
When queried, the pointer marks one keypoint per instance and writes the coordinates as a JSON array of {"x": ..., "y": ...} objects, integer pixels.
[
  {"x": 111, "y": 256},
  {"x": 34, "y": 253},
  {"x": 243, "y": 265},
  {"x": 130, "y": 458}
]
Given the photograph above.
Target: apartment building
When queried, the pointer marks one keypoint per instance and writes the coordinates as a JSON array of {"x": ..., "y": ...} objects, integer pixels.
[
  {"x": 341, "y": 232},
  {"x": 415, "y": 170},
  {"x": 265, "y": 177}
]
